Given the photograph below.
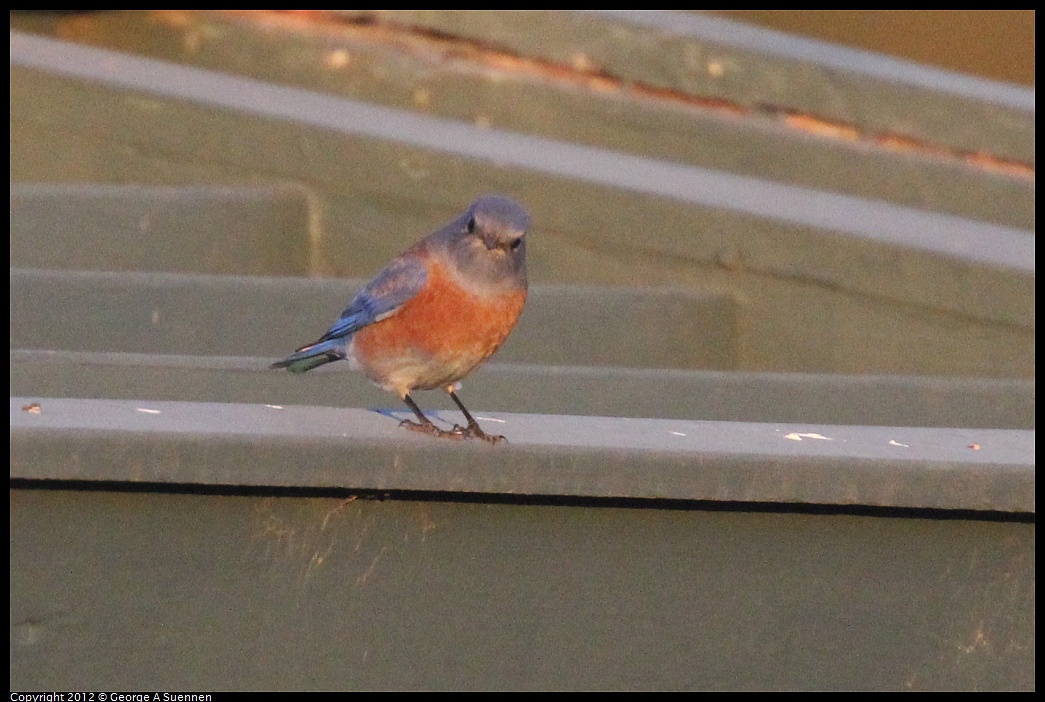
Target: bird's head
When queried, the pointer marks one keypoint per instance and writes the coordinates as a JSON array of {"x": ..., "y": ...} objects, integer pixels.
[{"x": 488, "y": 242}]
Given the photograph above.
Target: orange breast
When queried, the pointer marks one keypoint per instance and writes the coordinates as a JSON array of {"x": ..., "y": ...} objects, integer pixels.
[{"x": 437, "y": 337}]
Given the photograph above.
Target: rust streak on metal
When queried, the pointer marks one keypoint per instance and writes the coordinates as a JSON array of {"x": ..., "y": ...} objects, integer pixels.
[{"x": 583, "y": 72}]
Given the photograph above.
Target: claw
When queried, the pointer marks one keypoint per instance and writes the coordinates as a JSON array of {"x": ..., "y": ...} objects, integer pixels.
[
  {"x": 457, "y": 433},
  {"x": 432, "y": 430},
  {"x": 472, "y": 431}
]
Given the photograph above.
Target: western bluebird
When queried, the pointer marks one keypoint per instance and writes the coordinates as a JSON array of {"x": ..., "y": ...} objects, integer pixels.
[{"x": 436, "y": 312}]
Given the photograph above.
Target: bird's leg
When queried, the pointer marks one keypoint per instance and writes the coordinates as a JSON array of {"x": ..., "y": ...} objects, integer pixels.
[
  {"x": 425, "y": 426},
  {"x": 472, "y": 431}
]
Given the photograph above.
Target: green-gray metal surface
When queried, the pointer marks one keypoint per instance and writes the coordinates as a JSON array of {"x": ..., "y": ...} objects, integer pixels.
[
  {"x": 770, "y": 408},
  {"x": 116, "y": 590}
]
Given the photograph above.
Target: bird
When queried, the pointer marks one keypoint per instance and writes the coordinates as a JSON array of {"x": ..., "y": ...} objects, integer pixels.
[{"x": 436, "y": 312}]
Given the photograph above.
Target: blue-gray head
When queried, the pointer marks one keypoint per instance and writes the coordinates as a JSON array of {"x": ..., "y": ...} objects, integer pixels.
[{"x": 488, "y": 242}]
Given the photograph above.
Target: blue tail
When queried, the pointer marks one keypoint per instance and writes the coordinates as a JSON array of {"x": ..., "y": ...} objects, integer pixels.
[{"x": 312, "y": 356}]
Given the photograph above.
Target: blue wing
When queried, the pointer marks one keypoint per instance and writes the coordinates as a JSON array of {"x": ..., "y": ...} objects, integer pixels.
[{"x": 381, "y": 298}]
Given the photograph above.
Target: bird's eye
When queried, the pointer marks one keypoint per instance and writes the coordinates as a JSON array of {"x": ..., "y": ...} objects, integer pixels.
[
  {"x": 516, "y": 243},
  {"x": 471, "y": 225}
]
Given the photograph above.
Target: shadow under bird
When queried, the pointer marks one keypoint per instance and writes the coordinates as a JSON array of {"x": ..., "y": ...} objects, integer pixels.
[{"x": 435, "y": 312}]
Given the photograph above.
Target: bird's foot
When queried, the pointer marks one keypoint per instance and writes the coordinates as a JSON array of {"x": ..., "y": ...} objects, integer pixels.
[
  {"x": 472, "y": 431},
  {"x": 433, "y": 430}
]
